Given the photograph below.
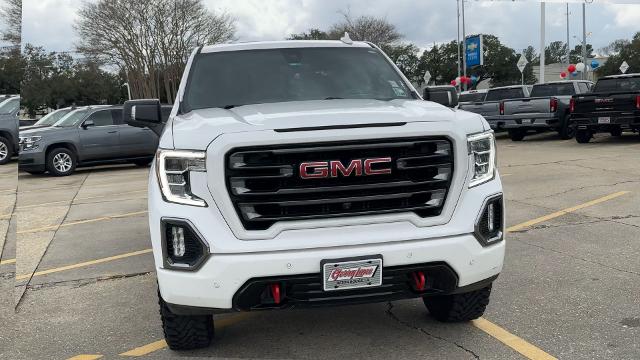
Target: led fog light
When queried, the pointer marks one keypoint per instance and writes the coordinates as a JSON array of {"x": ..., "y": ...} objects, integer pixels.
[
  {"x": 182, "y": 245},
  {"x": 489, "y": 226}
]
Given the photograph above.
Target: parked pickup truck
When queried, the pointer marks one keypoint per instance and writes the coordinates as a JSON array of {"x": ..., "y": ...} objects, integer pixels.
[
  {"x": 9, "y": 108},
  {"x": 546, "y": 109},
  {"x": 613, "y": 106},
  {"x": 331, "y": 182},
  {"x": 472, "y": 96},
  {"x": 490, "y": 107}
]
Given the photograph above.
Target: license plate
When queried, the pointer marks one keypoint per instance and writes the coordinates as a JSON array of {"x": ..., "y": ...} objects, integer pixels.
[
  {"x": 352, "y": 273},
  {"x": 526, "y": 121},
  {"x": 604, "y": 120}
]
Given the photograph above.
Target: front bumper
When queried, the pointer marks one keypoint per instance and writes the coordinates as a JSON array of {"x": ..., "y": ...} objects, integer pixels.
[
  {"x": 221, "y": 279},
  {"x": 31, "y": 161}
]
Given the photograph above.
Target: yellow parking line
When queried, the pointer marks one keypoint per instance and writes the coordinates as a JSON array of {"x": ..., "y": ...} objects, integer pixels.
[
  {"x": 161, "y": 344},
  {"x": 556, "y": 214},
  {"x": 524, "y": 348},
  {"x": 83, "y": 264},
  {"x": 103, "y": 218},
  {"x": 85, "y": 357},
  {"x": 8, "y": 261}
]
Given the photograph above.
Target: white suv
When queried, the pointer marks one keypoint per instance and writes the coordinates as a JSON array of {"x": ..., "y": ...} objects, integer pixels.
[{"x": 311, "y": 173}]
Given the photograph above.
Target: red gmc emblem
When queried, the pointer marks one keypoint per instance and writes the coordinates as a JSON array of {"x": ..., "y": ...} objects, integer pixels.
[{"x": 358, "y": 167}]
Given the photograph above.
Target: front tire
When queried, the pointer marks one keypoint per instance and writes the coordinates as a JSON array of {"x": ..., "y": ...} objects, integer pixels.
[
  {"x": 458, "y": 307},
  {"x": 185, "y": 332},
  {"x": 61, "y": 162},
  {"x": 6, "y": 150},
  {"x": 517, "y": 134},
  {"x": 583, "y": 136}
]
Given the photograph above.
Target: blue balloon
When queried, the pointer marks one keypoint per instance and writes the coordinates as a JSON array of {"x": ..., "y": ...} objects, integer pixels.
[
  {"x": 474, "y": 78},
  {"x": 575, "y": 73},
  {"x": 594, "y": 64}
]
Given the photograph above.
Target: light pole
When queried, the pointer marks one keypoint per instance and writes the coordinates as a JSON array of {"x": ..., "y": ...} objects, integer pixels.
[
  {"x": 542, "y": 54},
  {"x": 458, "y": 13},
  {"x": 464, "y": 47},
  {"x": 128, "y": 89},
  {"x": 584, "y": 40},
  {"x": 568, "y": 47}
]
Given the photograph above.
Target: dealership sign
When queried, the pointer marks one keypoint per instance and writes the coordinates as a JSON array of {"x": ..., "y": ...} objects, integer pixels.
[{"x": 473, "y": 51}]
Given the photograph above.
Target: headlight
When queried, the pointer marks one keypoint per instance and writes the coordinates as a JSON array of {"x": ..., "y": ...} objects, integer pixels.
[
  {"x": 482, "y": 150},
  {"x": 174, "y": 168},
  {"x": 29, "y": 142}
]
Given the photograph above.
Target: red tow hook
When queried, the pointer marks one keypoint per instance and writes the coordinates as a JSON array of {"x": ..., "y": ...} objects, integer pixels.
[
  {"x": 275, "y": 293},
  {"x": 419, "y": 280}
]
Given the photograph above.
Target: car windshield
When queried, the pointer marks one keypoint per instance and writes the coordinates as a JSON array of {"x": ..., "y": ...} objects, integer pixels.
[
  {"x": 618, "y": 84},
  {"x": 72, "y": 118},
  {"x": 9, "y": 106},
  {"x": 234, "y": 78},
  {"x": 472, "y": 97},
  {"x": 52, "y": 117},
  {"x": 553, "y": 89},
  {"x": 504, "y": 94}
]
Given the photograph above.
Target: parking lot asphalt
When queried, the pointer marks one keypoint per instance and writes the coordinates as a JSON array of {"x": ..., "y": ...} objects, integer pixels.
[
  {"x": 85, "y": 283},
  {"x": 8, "y": 186}
]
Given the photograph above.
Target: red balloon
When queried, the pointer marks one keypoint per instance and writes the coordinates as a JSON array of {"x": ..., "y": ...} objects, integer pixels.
[
  {"x": 563, "y": 74},
  {"x": 454, "y": 83},
  {"x": 464, "y": 79},
  {"x": 571, "y": 68}
]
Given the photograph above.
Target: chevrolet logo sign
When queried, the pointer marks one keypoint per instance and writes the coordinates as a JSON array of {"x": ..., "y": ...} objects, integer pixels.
[{"x": 472, "y": 47}]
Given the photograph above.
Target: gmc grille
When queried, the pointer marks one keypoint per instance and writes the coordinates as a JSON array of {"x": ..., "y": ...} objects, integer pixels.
[{"x": 265, "y": 186}]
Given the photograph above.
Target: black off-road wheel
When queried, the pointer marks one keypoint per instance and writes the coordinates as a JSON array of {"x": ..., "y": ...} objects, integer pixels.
[
  {"x": 583, "y": 136},
  {"x": 458, "y": 307},
  {"x": 517, "y": 134},
  {"x": 616, "y": 132},
  {"x": 185, "y": 332},
  {"x": 6, "y": 150},
  {"x": 566, "y": 131}
]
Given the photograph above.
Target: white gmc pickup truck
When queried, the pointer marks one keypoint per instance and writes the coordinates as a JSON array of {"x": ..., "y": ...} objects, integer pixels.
[{"x": 311, "y": 173}]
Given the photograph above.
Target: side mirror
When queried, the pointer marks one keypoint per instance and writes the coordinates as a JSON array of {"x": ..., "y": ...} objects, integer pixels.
[
  {"x": 144, "y": 113},
  {"x": 445, "y": 95},
  {"x": 88, "y": 123}
]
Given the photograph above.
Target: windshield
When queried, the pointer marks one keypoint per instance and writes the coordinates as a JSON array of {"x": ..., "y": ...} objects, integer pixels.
[
  {"x": 504, "y": 94},
  {"x": 9, "y": 106},
  {"x": 472, "y": 97},
  {"x": 72, "y": 118},
  {"x": 618, "y": 84},
  {"x": 553, "y": 89},
  {"x": 234, "y": 78},
  {"x": 52, "y": 117}
]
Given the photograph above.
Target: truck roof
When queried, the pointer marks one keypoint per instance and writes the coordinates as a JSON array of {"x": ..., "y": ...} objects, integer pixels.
[
  {"x": 621, "y": 76},
  {"x": 508, "y": 87},
  {"x": 563, "y": 82},
  {"x": 281, "y": 44}
]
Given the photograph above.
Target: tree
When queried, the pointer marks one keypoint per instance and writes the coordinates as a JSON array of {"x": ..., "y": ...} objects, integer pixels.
[
  {"x": 11, "y": 15},
  {"x": 150, "y": 41},
  {"x": 441, "y": 62},
  {"x": 313, "y": 34},
  {"x": 576, "y": 53},
  {"x": 366, "y": 28},
  {"x": 622, "y": 50},
  {"x": 11, "y": 69},
  {"x": 54, "y": 80},
  {"x": 556, "y": 52}
]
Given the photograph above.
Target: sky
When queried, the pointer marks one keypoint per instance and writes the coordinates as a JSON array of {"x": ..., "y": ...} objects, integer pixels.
[{"x": 49, "y": 23}]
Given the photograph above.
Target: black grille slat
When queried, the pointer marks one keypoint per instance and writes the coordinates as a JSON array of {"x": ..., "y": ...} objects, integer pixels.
[{"x": 265, "y": 185}]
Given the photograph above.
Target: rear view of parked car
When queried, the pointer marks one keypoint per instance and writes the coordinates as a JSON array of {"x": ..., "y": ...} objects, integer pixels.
[
  {"x": 490, "y": 108},
  {"x": 613, "y": 107},
  {"x": 9, "y": 108},
  {"x": 547, "y": 108},
  {"x": 86, "y": 136}
]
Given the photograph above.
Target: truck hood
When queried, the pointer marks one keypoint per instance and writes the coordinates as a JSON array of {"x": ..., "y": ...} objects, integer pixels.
[{"x": 198, "y": 128}]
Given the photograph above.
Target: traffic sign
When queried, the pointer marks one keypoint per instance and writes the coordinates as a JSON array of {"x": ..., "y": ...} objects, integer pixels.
[
  {"x": 522, "y": 63},
  {"x": 624, "y": 67},
  {"x": 427, "y": 77}
]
